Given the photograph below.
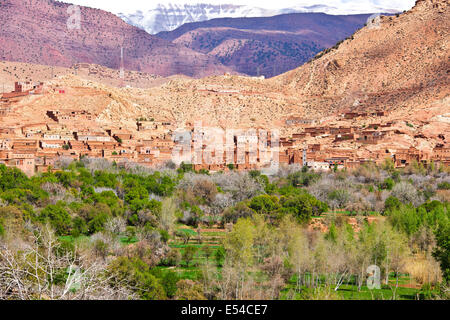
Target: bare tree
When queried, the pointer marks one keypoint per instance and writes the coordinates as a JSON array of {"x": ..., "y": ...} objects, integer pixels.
[{"x": 41, "y": 269}]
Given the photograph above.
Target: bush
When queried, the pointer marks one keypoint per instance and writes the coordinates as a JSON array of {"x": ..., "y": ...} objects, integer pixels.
[
  {"x": 58, "y": 217},
  {"x": 2, "y": 228},
  {"x": 444, "y": 185},
  {"x": 233, "y": 214},
  {"x": 387, "y": 184},
  {"x": 189, "y": 254},
  {"x": 303, "y": 207},
  {"x": 303, "y": 179},
  {"x": 264, "y": 204},
  {"x": 392, "y": 203},
  {"x": 172, "y": 259},
  {"x": 137, "y": 275}
]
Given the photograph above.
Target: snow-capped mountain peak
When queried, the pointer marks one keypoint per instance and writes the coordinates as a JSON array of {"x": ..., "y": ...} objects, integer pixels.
[
  {"x": 168, "y": 17},
  {"x": 171, "y": 16}
]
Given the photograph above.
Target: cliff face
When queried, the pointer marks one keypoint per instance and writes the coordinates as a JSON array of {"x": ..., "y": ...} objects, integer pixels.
[
  {"x": 395, "y": 62},
  {"x": 35, "y": 31}
]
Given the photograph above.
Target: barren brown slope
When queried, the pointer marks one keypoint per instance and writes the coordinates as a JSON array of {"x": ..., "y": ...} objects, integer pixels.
[
  {"x": 400, "y": 66},
  {"x": 11, "y": 72},
  {"x": 35, "y": 31}
]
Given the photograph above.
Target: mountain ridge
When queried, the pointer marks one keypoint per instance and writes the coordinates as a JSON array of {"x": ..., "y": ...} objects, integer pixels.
[
  {"x": 266, "y": 46},
  {"x": 36, "y": 31}
]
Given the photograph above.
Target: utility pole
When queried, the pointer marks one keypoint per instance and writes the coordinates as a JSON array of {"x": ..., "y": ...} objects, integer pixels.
[{"x": 122, "y": 71}]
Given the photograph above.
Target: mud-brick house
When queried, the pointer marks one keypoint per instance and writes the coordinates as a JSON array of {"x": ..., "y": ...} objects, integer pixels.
[
  {"x": 299, "y": 136},
  {"x": 101, "y": 145},
  {"x": 286, "y": 143},
  {"x": 23, "y": 160},
  {"x": 7, "y": 132},
  {"x": 78, "y": 146},
  {"x": 351, "y": 115},
  {"x": 121, "y": 135},
  {"x": 341, "y": 130},
  {"x": 32, "y": 130},
  {"x": 404, "y": 157},
  {"x": 25, "y": 145},
  {"x": 352, "y": 164},
  {"x": 146, "y": 125},
  {"x": 70, "y": 116},
  {"x": 73, "y": 154},
  {"x": 314, "y": 147},
  {"x": 441, "y": 154},
  {"x": 162, "y": 143},
  {"x": 58, "y": 135},
  {"x": 145, "y": 158},
  {"x": 5, "y": 144},
  {"x": 344, "y": 137},
  {"x": 46, "y": 157},
  {"x": 338, "y": 162},
  {"x": 92, "y": 136},
  {"x": 4, "y": 111},
  {"x": 5, "y": 155},
  {"x": 371, "y": 136},
  {"x": 292, "y": 121},
  {"x": 317, "y": 131},
  {"x": 161, "y": 126},
  {"x": 52, "y": 144},
  {"x": 319, "y": 165}
]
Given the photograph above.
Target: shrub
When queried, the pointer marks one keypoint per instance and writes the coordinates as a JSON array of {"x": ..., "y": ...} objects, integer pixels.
[
  {"x": 387, "y": 184},
  {"x": 264, "y": 204},
  {"x": 137, "y": 275},
  {"x": 189, "y": 254},
  {"x": 58, "y": 217},
  {"x": 392, "y": 203},
  {"x": 444, "y": 185},
  {"x": 240, "y": 210},
  {"x": 173, "y": 258}
]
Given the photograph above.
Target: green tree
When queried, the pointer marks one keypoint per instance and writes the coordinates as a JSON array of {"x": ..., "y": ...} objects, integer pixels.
[
  {"x": 239, "y": 243},
  {"x": 442, "y": 251},
  {"x": 189, "y": 254},
  {"x": 135, "y": 274},
  {"x": 58, "y": 217}
]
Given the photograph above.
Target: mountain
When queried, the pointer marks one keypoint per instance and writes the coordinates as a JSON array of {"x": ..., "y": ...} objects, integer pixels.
[
  {"x": 167, "y": 17},
  {"x": 399, "y": 64},
  {"x": 36, "y": 31},
  {"x": 266, "y": 46},
  {"x": 171, "y": 16}
]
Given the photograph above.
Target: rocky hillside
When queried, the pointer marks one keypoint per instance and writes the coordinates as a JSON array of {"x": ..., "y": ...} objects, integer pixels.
[
  {"x": 36, "y": 31},
  {"x": 400, "y": 63},
  {"x": 266, "y": 46}
]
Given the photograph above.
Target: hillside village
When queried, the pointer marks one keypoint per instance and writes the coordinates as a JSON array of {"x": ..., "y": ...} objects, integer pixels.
[{"x": 343, "y": 141}]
